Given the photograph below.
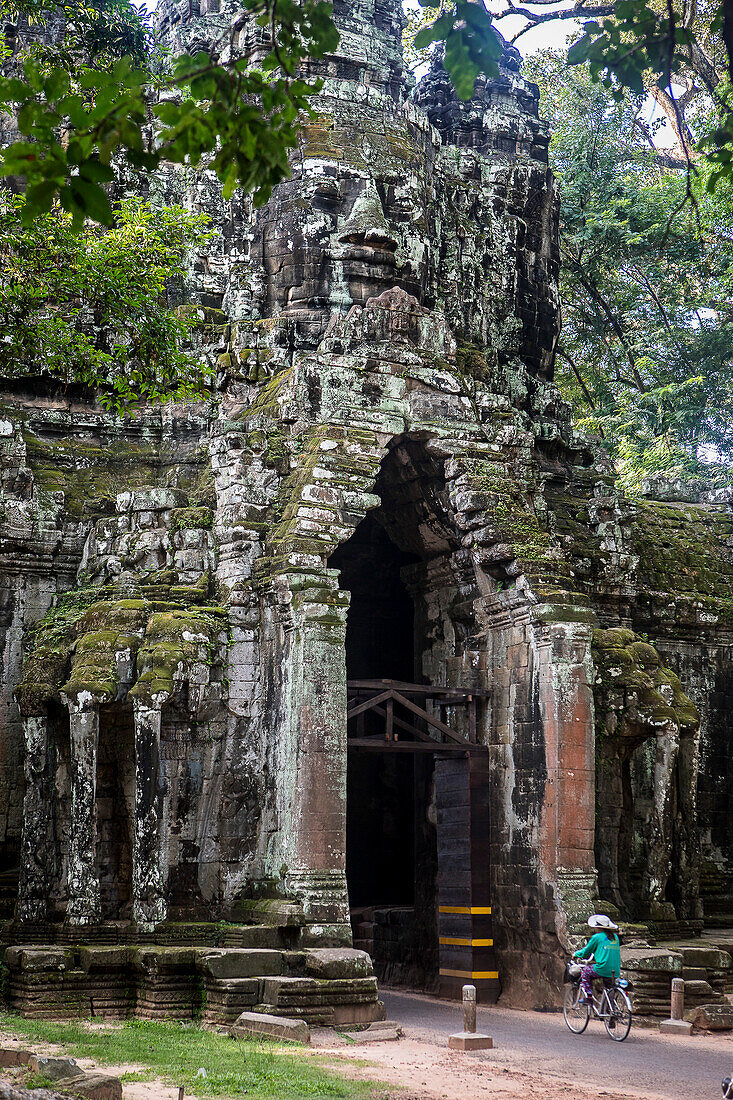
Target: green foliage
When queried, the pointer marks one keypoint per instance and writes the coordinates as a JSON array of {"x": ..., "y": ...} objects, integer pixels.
[
  {"x": 101, "y": 82},
  {"x": 91, "y": 307},
  {"x": 646, "y": 285},
  {"x": 177, "y": 1053},
  {"x": 646, "y": 42},
  {"x": 472, "y": 46},
  {"x": 636, "y": 39},
  {"x": 245, "y": 117}
]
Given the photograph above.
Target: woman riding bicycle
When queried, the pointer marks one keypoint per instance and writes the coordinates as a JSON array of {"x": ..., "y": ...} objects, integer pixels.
[{"x": 604, "y": 948}]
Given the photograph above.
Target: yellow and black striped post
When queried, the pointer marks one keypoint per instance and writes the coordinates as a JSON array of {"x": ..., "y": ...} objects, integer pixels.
[{"x": 465, "y": 928}]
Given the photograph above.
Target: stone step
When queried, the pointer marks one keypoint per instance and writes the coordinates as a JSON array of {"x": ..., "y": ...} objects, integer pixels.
[
  {"x": 699, "y": 955},
  {"x": 227, "y": 963}
]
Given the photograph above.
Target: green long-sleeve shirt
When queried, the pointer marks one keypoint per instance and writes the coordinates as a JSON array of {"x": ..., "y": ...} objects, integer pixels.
[{"x": 606, "y": 954}]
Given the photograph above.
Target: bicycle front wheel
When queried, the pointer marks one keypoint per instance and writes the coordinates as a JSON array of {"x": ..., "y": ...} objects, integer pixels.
[
  {"x": 618, "y": 1024},
  {"x": 576, "y": 1013}
]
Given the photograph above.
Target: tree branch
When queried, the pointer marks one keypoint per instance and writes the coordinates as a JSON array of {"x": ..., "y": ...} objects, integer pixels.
[
  {"x": 573, "y": 366},
  {"x": 579, "y": 10},
  {"x": 590, "y": 287}
]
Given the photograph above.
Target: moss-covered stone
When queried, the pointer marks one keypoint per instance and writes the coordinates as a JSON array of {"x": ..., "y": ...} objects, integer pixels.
[
  {"x": 184, "y": 519},
  {"x": 634, "y": 693}
]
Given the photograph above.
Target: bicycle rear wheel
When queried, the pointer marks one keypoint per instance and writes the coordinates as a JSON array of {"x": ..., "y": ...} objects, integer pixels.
[
  {"x": 618, "y": 1025},
  {"x": 576, "y": 1013}
]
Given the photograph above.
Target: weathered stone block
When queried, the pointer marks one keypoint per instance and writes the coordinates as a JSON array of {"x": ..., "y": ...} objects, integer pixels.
[
  {"x": 245, "y": 963},
  {"x": 675, "y": 1027},
  {"x": 341, "y": 962},
  {"x": 92, "y": 1086},
  {"x": 11, "y": 1057},
  {"x": 274, "y": 1027},
  {"x": 708, "y": 957},
  {"x": 651, "y": 959},
  {"x": 55, "y": 1068},
  {"x": 103, "y": 958},
  {"x": 470, "y": 1040},
  {"x": 711, "y": 1017}
]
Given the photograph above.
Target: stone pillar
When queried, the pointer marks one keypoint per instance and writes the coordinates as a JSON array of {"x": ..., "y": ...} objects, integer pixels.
[
  {"x": 148, "y": 893},
  {"x": 312, "y": 781},
  {"x": 83, "y": 905},
  {"x": 686, "y": 846},
  {"x": 37, "y": 869},
  {"x": 563, "y": 672},
  {"x": 659, "y": 860}
]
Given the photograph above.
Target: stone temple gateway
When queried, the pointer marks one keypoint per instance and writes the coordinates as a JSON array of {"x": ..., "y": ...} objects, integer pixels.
[{"x": 386, "y": 491}]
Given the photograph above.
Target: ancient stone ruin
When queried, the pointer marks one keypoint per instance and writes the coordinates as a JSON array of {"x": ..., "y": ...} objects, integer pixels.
[{"x": 366, "y": 665}]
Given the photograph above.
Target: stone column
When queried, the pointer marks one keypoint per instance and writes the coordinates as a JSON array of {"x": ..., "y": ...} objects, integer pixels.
[
  {"x": 563, "y": 682},
  {"x": 37, "y": 864},
  {"x": 148, "y": 893},
  {"x": 312, "y": 779},
  {"x": 83, "y": 906},
  {"x": 659, "y": 860},
  {"x": 687, "y": 834}
]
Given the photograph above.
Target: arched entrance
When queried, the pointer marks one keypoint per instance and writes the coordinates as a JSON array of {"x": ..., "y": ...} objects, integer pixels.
[{"x": 413, "y": 838}]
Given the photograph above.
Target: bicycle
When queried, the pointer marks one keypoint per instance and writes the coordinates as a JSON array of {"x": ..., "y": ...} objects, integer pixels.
[{"x": 613, "y": 1006}]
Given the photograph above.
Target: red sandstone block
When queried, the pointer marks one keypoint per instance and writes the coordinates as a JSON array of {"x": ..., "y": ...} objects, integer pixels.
[{"x": 10, "y": 1057}]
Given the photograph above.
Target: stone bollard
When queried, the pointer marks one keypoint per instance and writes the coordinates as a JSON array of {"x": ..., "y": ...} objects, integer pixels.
[
  {"x": 676, "y": 1025},
  {"x": 678, "y": 999},
  {"x": 469, "y": 1008},
  {"x": 469, "y": 1038}
]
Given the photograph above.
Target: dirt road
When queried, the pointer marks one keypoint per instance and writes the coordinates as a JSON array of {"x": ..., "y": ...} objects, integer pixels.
[{"x": 647, "y": 1064}]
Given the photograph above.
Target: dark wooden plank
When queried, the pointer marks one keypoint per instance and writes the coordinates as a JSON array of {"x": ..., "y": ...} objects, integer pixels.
[
  {"x": 406, "y": 726},
  {"x": 378, "y": 744}
]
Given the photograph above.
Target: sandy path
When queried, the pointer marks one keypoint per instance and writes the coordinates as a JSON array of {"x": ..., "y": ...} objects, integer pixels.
[{"x": 429, "y": 1071}]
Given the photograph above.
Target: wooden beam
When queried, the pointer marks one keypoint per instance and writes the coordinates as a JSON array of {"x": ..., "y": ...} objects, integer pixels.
[
  {"x": 402, "y": 725},
  {"x": 435, "y": 722},
  {"x": 460, "y": 694},
  {"x": 378, "y": 744},
  {"x": 368, "y": 703}
]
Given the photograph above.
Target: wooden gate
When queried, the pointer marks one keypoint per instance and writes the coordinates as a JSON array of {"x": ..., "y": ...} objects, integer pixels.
[{"x": 465, "y": 936}]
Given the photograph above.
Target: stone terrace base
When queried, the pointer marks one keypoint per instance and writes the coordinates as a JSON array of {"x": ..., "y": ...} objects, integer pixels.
[
  {"x": 706, "y": 968},
  {"x": 324, "y": 986}
]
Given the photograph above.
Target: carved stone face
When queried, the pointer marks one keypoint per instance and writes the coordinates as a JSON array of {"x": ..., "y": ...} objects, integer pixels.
[{"x": 336, "y": 236}]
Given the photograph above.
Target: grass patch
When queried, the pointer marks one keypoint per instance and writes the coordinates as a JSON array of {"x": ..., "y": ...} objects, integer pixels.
[
  {"x": 38, "y": 1081},
  {"x": 177, "y": 1053}
]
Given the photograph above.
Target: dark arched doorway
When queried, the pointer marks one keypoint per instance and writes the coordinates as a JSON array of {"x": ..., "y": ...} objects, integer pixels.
[
  {"x": 413, "y": 758},
  {"x": 390, "y": 830}
]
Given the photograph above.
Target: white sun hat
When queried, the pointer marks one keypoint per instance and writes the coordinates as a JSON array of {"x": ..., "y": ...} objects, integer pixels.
[{"x": 600, "y": 920}]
